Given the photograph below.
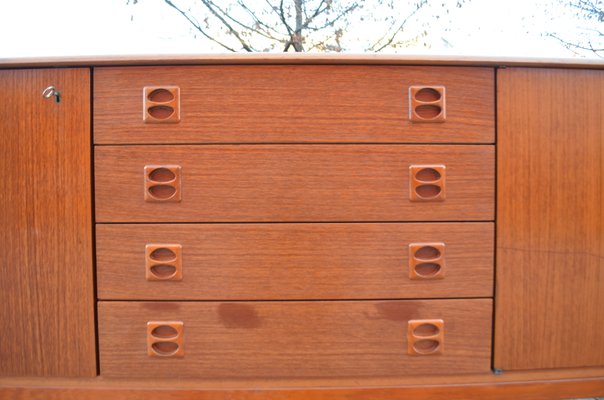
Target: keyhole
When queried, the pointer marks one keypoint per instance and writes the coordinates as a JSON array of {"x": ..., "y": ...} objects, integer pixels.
[{"x": 51, "y": 91}]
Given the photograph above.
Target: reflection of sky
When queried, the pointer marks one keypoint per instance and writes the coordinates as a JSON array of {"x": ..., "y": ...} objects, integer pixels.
[{"x": 88, "y": 27}]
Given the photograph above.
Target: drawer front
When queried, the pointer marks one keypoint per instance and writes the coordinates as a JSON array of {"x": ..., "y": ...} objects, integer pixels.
[
  {"x": 294, "y": 261},
  {"x": 293, "y": 104},
  {"x": 294, "y": 339},
  {"x": 315, "y": 183}
]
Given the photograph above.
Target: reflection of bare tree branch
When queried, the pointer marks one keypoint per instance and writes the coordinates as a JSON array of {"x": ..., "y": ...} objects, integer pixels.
[
  {"x": 388, "y": 42},
  {"x": 587, "y": 10},
  {"x": 324, "y": 46},
  {"x": 270, "y": 31},
  {"x": 322, "y": 8},
  {"x": 281, "y": 14},
  {"x": 241, "y": 24},
  {"x": 198, "y": 26},
  {"x": 335, "y": 19},
  {"x": 318, "y": 11},
  {"x": 297, "y": 38},
  {"x": 590, "y": 9},
  {"x": 571, "y": 46},
  {"x": 292, "y": 24},
  {"x": 211, "y": 6}
]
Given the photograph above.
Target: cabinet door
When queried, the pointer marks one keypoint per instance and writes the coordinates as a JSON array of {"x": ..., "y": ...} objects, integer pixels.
[
  {"x": 46, "y": 275},
  {"x": 550, "y": 219}
]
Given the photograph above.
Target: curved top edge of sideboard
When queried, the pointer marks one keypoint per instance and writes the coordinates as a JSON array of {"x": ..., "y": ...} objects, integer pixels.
[{"x": 295, "y": 58}]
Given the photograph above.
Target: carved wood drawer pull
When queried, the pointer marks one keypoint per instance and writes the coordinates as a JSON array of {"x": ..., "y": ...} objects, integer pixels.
[
  {"x": 162, "y": 183},
  {"x": 427, "y": 104},
  {"x": 165, "y": 339},
  {"x": 426, "y": 261},
  {"x": 427, "y": 183},
  {"x": 425, "y": 337},
  {"x": 161, "y": 104},
  {"x": 163, "y": 262}
]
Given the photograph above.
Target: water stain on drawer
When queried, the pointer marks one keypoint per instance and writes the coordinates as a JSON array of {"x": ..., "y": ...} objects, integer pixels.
[{"x": 234, "y": 315}]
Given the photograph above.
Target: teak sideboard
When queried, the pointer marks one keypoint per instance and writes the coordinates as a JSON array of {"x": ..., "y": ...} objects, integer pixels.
[{"x": 301, "y": 227}]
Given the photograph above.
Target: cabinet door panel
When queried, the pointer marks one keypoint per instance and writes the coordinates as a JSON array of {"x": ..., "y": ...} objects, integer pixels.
[
  {"x": 550, "y": 219},
  {"x": 46, "y": 284}
]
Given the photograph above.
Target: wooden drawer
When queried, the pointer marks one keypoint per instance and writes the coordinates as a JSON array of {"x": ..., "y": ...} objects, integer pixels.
[
  {"x": 293, "y": 339},
  {"x": 316, "y": 183},
  {"x": 293, "y": 104},
  {"x": 294, "y": 261}
]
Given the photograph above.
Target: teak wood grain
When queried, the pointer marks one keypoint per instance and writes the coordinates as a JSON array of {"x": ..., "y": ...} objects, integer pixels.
[
  {"x": 536, "y": 390},
  {"x": 317, "y": 183},
  {"x": 293, "y": 104},
  {"x": 550, "y": 246},
  {"x": 564, "y": 376},
  {"x": 546, "y": 388},
  {"x": 294, "y": 339},
  {"x": 294, "y": 261},
  {"x": 46, "y": 284},
  {"x": 523, "y": 385},
  {"x": 542, "y": 390}
]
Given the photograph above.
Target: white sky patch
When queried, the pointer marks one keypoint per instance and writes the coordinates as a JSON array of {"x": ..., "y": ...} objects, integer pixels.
[{"x": 32, "y": 28}]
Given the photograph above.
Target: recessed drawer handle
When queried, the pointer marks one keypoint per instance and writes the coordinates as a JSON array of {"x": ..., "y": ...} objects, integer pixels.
[
  {"x": 162, "y": 183},
  {"x": 161, "y": 104},
  {"x": 426, "y": 261},
  {"x": 427, "y": 104},
  {"x": 425, "y": 337},
  {"x": 163, "y": 262},
  {"x": 165, "y": 339},
  {"x": 427, "y": 182}
]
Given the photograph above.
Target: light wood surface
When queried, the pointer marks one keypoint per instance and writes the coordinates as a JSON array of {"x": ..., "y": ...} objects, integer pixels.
[
  {"x": 46, "y": 286},
  {"x": 316, "y": 183},
  {"x": 563, "y": 375},
  {"x": 294, "y": 104},
  {"x": 534, "y": 390},
  {"x": 300, "y": 58},
  {"x": 293, "y": 261},
  {"x": 526, "y": 385},
  {"x": 550, "y": 218},
  {"x": 294, "y": 339},
  {"x": 566, "y": 134}
]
